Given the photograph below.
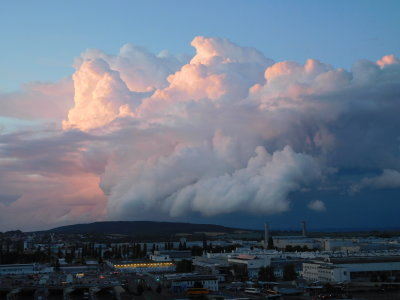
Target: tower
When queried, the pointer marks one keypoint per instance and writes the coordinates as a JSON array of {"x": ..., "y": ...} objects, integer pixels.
[
  {"x": 266, "y": 235},
  {"x": 303, "y": 228}
]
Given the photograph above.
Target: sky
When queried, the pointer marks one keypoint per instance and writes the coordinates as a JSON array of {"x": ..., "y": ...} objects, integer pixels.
[{"x": 227, "y": 112}]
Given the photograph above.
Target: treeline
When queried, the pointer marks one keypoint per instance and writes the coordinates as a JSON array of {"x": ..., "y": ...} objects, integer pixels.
[
  {"x": 12, "y": 252},
  {"x": 19, "y": 256}
]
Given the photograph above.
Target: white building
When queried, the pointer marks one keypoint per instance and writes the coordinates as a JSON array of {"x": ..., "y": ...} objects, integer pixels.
[
  {"x": 340, "y": 245},
  {"x": 253, "y": 263},
  {"x": 351, "y": 268},
  {"x": 325, "y": 272},
  {"x": 182, "y": 281},
  {"x": 18, "y": 269},
  {"x": 281, "y": 242},
  {"x": 22, "y": 269}
]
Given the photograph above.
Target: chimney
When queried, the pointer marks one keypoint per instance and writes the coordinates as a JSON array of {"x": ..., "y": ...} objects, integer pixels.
[
  {"x": 303, "y": 229},
  {"x": 266, "y": 235}
]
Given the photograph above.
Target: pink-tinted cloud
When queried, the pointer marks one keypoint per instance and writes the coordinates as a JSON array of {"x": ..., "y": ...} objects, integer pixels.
[
  {"x": 100, "y": 96},
  {"x": 141, "y": 70},
  {"x": 387, "y": 60},
  {"x": 37, "y": 100},
  {"x": 155, "y": 135},
  {"x": 53, "y": 177}
]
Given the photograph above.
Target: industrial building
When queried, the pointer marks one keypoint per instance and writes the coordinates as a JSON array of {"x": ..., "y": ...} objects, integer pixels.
[
  {"x": 339, "y": 269},
  {"x": 24, "y": 269},
  {"x": 18, "y": 269},
  {"x": 171, "y": 255},
  {"x": 142, "y": 266},
  {"x": 182, "y": 281}
]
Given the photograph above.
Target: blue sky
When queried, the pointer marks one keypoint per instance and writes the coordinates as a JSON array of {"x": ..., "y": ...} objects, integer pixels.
[{"x": 41, "y": 39}]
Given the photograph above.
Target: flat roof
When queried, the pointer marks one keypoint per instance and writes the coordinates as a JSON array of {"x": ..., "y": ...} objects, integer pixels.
[
  {"x": 364, "y": 259},
  {"x": 194, "y": 278},
  {"x": 17, "y": 265}
]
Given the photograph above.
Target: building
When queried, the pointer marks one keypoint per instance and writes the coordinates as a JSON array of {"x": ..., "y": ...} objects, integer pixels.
[
  {"x": 340, "y": 245},
  {"x": 216, "y": 265},
  {"x": 142, "y": 266},
  {"x": 18, "y": 269},
  {"x": 171, "y": 255},
  {"x": 278, "y": 265},
  {"x": 324, "y": 272},
  {"x": 182, "y": 281},
  {"x": 252, "y": 263},
  {"x": 23, "y": 269},
  {"x": 353, "y": 268},
  {"x": 282, "y": 242}
]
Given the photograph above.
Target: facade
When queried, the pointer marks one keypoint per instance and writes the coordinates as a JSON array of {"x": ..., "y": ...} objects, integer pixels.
[
  {"x": 340, "y": 245},
  {"x": 352, "y": 269},
  {"x": 176, "y": 255},
  {"x": 278, "y": 265},
  {"x": 215, "y": 265},
  {"x": 24, "y": 269},
  {"x": 324, "y": 272},
  {"x": 160, "y": 257},
  {"x": 171, "y": 255},
  {"x": 142, "y": 266},
  {"x": 253, "y": 263},
  {"x": 18, "y": 269},
  {"x": 296, "y": 241},
  {"x": 181, "y": 282}
]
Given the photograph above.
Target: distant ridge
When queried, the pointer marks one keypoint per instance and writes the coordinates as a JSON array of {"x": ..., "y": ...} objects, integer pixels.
[{"x": 143, "y": 228}]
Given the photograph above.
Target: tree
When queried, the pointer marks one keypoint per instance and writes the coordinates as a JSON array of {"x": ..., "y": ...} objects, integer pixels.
[
  {"x": 107, "y": 254},
  {"x": 68, "y": 258},
  {"x": 240, "y": 272},
  {"x": 328, "y": 288},
  {"x": 204, "y": 242},
  {"x": 184, "y": 266},
  {"x": 56, "y": 265},
  {"x": 266, "y": 274},
  {"x": 144, "y": 253},
  {"x": 197, "y": 251},
  {"x": 270, "y": 243},
  {"x": 289, "y": 272},
  {"x": 140, "y": 289}
]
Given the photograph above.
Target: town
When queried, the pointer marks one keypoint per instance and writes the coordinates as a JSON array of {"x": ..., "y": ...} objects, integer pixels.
[{"x": 295, "y": 265}]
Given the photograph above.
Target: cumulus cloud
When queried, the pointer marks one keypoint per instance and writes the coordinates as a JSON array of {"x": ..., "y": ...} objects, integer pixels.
[
  {"x": 317, "y": 205},
  {"x": 388, "y": 60},
  {"x": 193, "y": 178},
  {"x": 228, "y": 130},
  {"x": 100, "y": 96},
  {"x": 389, "y": 179},
  {"x": 141, "y": 70}
]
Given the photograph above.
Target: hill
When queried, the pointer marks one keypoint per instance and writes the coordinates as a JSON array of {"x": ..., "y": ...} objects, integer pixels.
[{"x": 146, "y": 228}]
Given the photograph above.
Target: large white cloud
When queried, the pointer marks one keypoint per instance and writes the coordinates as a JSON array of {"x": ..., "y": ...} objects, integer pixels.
[
  {"x": 228, "y": 130},
  {"x": 209, "y": 116}
]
